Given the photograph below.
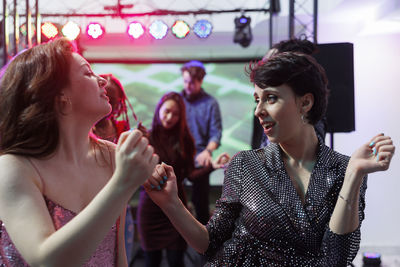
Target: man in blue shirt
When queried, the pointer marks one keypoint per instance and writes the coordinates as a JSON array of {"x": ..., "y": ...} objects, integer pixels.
[{"x": 204, "y": 119}]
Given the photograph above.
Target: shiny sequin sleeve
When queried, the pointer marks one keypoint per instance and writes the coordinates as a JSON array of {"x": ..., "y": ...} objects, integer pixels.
[
  {"x": 227, "y": 210},
  {"x": 346, "y": 245},
  {"x": 260, "y": 219}
]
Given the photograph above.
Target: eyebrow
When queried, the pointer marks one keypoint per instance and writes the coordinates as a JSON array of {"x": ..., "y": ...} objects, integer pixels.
[{"x": 86, "y": 65}]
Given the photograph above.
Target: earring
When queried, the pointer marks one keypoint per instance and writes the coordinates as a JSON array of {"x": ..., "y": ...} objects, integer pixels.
[{"x": 304, "y": 120}]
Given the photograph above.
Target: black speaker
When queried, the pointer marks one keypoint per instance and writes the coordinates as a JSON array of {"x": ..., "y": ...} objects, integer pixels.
[{"x": 337, "y": 60}]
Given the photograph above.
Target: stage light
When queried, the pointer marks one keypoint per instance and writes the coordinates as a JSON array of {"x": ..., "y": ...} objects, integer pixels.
[
  {"x": 135, "y": 30},
  {"x": 158, "y": 29},
  {"x": 23, "y": 30},
  {"x": 242, "y": 31},
  {"x": 49, "y": 30},
  {"x": 95, "y": 30},
  {"x": 71, "y": 30},
  {"x": 202, "y": 28},
  {"x": 180, "y": 29},
  {"x": 371, "y": 259}
]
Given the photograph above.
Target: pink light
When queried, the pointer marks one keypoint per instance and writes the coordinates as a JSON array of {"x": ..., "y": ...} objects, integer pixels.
[
  {"x": 135, "y": 30},
  {"x": 95, "y": 30}
]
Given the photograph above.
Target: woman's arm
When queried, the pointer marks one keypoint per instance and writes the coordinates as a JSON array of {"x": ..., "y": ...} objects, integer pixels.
[
  {"x": 195, "y": 234},
  {"x": 342, "y": 238},
  {"x": 28, "y": 222},
  {"x": 371, "y": 157}
]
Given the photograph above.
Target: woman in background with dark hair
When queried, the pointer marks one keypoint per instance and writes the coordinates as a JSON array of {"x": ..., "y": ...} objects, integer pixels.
[
  {"x": 63, "y": 193},
  {"x": 172, "y": 141}
]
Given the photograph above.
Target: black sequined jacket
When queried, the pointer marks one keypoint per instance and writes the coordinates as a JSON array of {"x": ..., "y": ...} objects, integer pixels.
[{"x": 260, "y": 220}]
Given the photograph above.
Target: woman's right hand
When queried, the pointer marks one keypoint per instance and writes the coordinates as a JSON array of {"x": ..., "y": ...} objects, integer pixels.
[
  {"x": 161, "y": 186},
  {"x": 135, "y": 159}
]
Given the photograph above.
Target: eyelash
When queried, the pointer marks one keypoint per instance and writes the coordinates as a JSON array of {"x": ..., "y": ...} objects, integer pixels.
[
  {"x": 271, "y": 97},
  {"x": 268, "y": 98}
]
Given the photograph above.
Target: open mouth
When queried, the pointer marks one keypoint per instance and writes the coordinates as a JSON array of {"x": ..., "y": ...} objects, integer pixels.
[{"x": 267, "y": 126}]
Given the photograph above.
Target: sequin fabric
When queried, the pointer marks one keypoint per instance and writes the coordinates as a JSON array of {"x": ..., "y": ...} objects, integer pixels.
[
  {"x": 105, "y": 254},
  {"x": 260, "y": 220}
]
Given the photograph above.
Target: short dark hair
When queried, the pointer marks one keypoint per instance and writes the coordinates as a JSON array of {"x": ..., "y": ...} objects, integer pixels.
[
  {"x": 195, "y": 68},
  {"x": 300, "y": 72},
  {"x": 296, "y": 45}
]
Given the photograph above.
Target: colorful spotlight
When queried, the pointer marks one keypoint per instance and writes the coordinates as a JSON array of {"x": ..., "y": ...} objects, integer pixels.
[
  {"x": 202, "y": 28},
  {"x": 158, "y": 29},
  {"x": 49, "y": 30},
  {"x": 180, "y": 29},
  {"x": 135, "y": 30},
  {"x": 23, "y": 29},
  {"x": 95, "y": 30},
  {"x": 71, "y": 30}
]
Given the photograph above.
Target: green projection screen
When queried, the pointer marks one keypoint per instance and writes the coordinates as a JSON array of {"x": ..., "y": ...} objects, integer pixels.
[{"x": 227, "y": 82}]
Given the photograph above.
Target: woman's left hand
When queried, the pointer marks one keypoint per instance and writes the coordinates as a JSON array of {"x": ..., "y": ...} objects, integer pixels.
[
  {"x": 221, "y": 160},
  {"x": 373, "y": 156}
]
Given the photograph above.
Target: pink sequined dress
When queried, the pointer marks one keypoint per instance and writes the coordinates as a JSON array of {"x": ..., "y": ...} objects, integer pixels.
[{"x": 105, "y": 255}]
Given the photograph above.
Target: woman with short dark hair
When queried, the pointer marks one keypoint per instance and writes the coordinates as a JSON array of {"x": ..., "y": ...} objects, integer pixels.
[{"x": 295, "y": 202}]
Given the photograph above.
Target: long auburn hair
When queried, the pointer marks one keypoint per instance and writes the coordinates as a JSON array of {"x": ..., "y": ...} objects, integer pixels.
[
  {"x": 28, "y": 92},
  {"x": 180, "y": 132}
]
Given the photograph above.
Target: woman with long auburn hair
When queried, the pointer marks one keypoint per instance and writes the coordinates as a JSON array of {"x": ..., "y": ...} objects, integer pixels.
[{"x": 63, "y": 192}]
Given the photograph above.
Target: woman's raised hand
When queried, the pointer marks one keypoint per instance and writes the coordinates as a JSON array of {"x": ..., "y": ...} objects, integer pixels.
[
  {"x": 135, "y": 158},
  {"x": 373, "y": 156}
]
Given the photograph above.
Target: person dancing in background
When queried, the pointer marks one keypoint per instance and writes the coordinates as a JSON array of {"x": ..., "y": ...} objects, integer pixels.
[
  {"x": 295, "y": 202},
  {"x": 172, "y": 141},
  {"x": 63, "y": 192},
  {"x": 110, "y": 128}
]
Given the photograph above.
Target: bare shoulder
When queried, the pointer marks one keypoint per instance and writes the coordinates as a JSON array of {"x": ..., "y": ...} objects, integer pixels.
[
  {"x": 13, "y": 165},
  {"x": 16, "y": 175}
]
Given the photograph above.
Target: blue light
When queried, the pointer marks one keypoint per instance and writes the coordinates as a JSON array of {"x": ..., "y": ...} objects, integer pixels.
[
  {"x": 243, "y": 20},
  {"x": 158, "y": 29},
  {"x": 202, "y": 28}
]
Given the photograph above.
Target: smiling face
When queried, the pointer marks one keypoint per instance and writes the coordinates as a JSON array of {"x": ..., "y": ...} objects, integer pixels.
[
  {"x": 169, "y": 114},
  {"x": 279, "y": 112},
  {"x": 86, "y": 91}
]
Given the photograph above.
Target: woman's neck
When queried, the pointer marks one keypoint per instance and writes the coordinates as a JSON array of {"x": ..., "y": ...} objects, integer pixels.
[
  {"x": 301, "y": 149},
  {"x": 74, "y": 141}
]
